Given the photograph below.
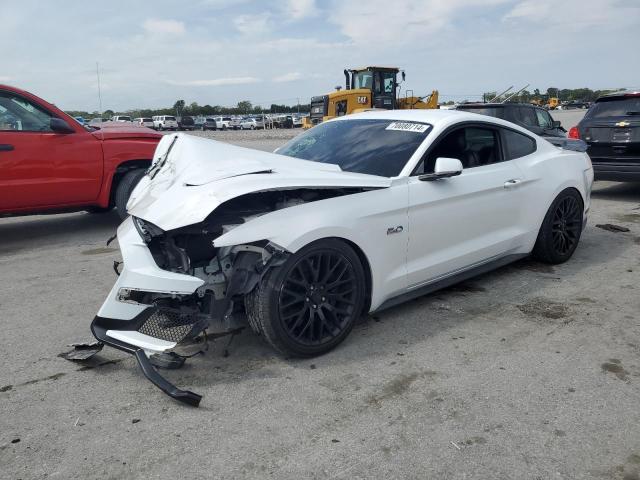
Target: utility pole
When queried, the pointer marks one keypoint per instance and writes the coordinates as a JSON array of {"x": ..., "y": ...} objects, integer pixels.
[{"x": 99, "y": 92}]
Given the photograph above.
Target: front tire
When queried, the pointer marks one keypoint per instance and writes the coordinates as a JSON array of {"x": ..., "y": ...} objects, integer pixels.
[
  {"x": 561, "y": 228},
  {"x": 308, "y": 305},
  {"x": 124, "y": 189}
]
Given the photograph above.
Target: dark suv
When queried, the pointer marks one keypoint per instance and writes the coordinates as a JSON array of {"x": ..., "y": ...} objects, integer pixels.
[
  {"x": 533, "y": 118},
  {"x": 611, "y": 128},
  {"x": 186, "y": 123}
]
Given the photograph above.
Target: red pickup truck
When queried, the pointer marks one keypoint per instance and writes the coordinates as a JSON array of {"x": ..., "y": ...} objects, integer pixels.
[{"x": 51, "y": 163}]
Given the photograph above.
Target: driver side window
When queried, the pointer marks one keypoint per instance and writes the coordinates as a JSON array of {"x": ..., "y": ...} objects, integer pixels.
[
  {"x": 19, "y": 114},
  {"x": 473, "y": 146}
]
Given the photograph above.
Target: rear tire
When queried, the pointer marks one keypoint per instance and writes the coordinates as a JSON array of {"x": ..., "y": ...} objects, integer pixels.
[
  {"x": 308, "y": 305},
  {"x": 124, "y": 189},
  {"x": 561, "y": 228}
]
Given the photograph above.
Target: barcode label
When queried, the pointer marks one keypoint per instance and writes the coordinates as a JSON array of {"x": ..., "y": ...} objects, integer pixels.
[{"x": 408, "y": 127}]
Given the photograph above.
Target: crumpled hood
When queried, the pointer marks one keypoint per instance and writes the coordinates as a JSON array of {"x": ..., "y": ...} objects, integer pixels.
[{"x": 197, "y": 175}]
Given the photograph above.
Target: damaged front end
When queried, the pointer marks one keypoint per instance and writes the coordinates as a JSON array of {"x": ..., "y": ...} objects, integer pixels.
[{"x": 177, "y": 284}]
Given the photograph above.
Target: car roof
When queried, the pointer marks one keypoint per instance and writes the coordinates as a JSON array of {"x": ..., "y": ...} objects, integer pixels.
[
  {"x": 621, "y": 93},
  {"x": 436, "y": 117},
  {"x": 480, "y": 105}
]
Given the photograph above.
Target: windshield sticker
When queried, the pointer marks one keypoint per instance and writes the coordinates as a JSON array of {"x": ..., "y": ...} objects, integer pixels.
[{"x": 408, "y": 127}]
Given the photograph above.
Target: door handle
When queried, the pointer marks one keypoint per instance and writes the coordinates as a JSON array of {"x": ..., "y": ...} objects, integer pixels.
[
  {"x": 5, "y": 147},
  {"x": 512, "y": 183}
]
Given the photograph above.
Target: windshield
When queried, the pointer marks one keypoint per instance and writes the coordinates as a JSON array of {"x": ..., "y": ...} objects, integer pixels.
[
  {"x": 374, "y": 147},
  {"x": 147, "y": 120},
  {"x": 125, "y": 119},
  {"x": 363, "y": 80},
  {"x": 615, "y": 107},
  {"x": 170, "y": 118}
]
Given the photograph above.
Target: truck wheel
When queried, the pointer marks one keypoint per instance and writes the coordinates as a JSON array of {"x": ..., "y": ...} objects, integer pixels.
[
  {"x": 124, "y": 189},
  {"x": 308, "y": 305}
]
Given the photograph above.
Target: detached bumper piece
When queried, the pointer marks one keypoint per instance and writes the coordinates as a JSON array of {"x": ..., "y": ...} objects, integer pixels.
[{"x": 153, "y": 331}]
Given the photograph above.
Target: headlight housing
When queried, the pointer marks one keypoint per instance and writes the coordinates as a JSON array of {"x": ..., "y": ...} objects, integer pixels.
[{"x": 147, "y": 230}]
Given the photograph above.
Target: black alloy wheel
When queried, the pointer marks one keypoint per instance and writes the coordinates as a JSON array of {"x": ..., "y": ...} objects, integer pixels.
[
  {"x": 566, "y": 226},
  {"x": 310, "y": 304},
  {"x": 561, "y": 229},
  {"x": 318, "y": 298}
]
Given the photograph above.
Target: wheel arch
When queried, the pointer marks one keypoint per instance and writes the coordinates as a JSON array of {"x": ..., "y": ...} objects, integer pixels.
[
  {"x": 364, "y": 260},
  {"x": 121, "y": 170}
]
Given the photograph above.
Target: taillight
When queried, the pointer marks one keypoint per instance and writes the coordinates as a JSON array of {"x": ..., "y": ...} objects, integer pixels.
[{"x": 574, "y": 133}]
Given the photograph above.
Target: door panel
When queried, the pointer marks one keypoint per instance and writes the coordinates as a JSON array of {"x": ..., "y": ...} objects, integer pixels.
[
  {"x": 465, "y": 220},
  {"x": 40, "y": 168},
  {"x": 48, "y": 169},
  {"x": 461, "y": 221}
]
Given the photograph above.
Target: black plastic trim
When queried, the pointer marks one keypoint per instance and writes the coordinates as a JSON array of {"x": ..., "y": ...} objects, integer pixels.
[
  {"x": 99, "y": 328},
  {"x": 450, "y": 280}
]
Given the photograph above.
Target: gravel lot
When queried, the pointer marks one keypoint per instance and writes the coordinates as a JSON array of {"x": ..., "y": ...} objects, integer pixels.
[{"x": 529, "y": 372}]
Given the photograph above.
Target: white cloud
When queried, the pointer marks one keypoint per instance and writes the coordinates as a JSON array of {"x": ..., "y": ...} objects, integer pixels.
[
  {"x": 402, "y": 22},
  {"x": 216, "y": 82},
  {"x": 252, "y": 24},
  {"x": 155, "y": 25},
  {"x": 574, "y": 14},
  {"x": 4, "y": 78},
  {"x": 299, "y": 9},
  {"x": 288, "y": 77}
]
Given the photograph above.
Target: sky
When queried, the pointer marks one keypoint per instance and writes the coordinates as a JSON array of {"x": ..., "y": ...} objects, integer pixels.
[{"x": 219, "y": 52}]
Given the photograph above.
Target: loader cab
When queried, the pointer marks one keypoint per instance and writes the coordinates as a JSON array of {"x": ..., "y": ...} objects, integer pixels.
[{"x": 382, "y": 81}]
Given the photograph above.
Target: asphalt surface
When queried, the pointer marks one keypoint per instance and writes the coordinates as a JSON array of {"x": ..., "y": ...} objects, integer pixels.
[{"x": 529, "y": 372}]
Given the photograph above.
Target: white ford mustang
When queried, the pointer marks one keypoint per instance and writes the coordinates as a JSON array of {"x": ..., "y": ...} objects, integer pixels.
[{"x": 353, "y": 216}]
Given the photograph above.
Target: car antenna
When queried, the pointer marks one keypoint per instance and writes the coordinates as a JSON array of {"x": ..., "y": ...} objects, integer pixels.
[{"x": 514, "y": 94}]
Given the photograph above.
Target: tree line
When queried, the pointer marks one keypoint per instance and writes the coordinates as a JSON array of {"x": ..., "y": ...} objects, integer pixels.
[{"x": 180, "y": 108}]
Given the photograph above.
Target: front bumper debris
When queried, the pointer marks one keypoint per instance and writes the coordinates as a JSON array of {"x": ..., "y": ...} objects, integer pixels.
[{"x": 114, "y": 332}]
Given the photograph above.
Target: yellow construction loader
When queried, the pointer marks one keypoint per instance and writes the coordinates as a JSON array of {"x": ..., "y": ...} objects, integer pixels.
[{"x": 365, "y": 89}]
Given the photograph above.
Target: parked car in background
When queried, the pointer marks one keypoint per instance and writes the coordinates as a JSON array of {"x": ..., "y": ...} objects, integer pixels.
[
  {"x": 611, "y": 128},
  {"x": 575, "y": 104},
  {"x": 186, "y": 123},
  {"x": 248, "y": 123},
  {"x": 297, "y": 121},
  {"x": 208, "y": 123},
  {"x": 121, "y": 118},
  {"x": 533, "y": 118},
  {"x": 260, "y": 120},
  {"x": 51, "y": 163},
  {"x": 165, "y": 122},
  {"x": 144, "y": 122},
  {"x": 223, "y": 123},
  {"x": 80, "y": 120},
  {"x": 96, "y": 122},
  {"x": 235, "y": 123}
]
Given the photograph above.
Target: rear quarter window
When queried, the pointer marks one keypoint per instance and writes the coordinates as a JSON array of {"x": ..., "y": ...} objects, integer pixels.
[{"x": 517, "y": 144}]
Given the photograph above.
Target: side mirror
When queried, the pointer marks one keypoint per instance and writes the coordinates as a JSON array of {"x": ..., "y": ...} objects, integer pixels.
[
  {"x": 556, "y": 124},
  {"x": 58, "y": 125},
  {"x": 444, "y": 168}
]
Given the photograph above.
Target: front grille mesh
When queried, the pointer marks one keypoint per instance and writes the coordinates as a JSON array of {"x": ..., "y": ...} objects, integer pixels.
[{"x": 167, "y": 324}]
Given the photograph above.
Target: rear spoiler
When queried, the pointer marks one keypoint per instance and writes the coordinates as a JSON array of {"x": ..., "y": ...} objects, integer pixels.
[{"x": 568, "y": 143}]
